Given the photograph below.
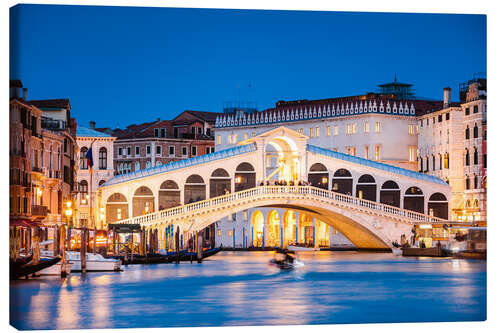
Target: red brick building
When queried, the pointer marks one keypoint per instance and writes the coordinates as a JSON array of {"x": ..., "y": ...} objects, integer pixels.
[{"x": 141, "y": 146}]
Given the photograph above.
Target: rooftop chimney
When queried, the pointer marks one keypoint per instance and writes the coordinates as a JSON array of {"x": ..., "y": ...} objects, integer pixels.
[
  {"x": 446, "y": 97},
  {"x": 92, "y": 124},
  {"x": 25, "y": 94}
]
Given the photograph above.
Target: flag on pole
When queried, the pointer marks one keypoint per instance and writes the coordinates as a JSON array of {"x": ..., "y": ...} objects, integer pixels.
[{"x": 90, "y": 159}]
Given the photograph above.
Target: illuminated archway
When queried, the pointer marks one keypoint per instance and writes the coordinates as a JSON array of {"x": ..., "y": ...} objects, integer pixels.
[
  {"x": 289, "y": 227},
  {"x": 282, "y": 160},
  {"x": 257, "y": 228},
  {"x": 273, "y": 230}
]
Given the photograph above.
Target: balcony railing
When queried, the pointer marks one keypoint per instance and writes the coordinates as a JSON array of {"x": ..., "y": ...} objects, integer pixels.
[{"x": 38, "y": 210}]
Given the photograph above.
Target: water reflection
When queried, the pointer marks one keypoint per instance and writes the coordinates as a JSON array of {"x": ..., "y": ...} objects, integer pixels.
[{"x": 240, "y": 288}]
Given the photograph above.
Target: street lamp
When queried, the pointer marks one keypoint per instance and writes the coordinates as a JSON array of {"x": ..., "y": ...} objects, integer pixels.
[{"x": 68, "y": 212}]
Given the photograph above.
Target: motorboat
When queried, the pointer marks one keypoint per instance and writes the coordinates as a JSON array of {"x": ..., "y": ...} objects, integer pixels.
[
  {"x": 285, "y": 260},
  {"x": 95, "y": 262},
  {"x": 302, "y": 248},
  {"x": 58, "y": 269}
]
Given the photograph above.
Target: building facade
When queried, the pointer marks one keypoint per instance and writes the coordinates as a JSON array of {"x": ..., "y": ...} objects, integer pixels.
[
  {"x": 42, "y": 153},
  {"x": 88, "y": 212},
  {"x": 162, "y": 141},
  {"x": 452, "y": 146}
]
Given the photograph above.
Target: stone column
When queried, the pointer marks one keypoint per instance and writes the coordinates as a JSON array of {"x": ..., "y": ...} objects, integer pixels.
[{"x": 314, "y": 232}]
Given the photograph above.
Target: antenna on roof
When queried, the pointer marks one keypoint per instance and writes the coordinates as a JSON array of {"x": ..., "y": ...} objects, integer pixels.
[{"x": 395, "y": 78}]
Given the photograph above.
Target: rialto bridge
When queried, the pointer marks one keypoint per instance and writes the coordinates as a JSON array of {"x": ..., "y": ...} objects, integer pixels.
[{"x": 371, "y": 203}]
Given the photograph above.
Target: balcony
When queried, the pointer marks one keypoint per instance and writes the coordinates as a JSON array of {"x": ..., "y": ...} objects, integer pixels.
[
  {"x": 39, "y": 211},
  {"x": 53, "y": 124}
]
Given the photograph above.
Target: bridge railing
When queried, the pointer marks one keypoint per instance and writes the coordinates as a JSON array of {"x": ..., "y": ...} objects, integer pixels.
[{"x": 285, "y": 191}]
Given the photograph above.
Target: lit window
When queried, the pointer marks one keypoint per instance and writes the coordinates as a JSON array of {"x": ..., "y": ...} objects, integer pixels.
[
  {"x": 367, "y": 152},
  {"x": 137, "y": 150},
  {"x": 377, "y": 153},
  {"x": 230, "y": 139},
  {"x": 235, "y": 138},
  {"x": 335, "y": 130},
  {"x": 301, "y": 130},
  {"x": 348, "y": 128},
  {"x": 311, "y": 132},
  {"x": 245, "y": 136},
  {"x": 317, "y": 132},
  {"x": 148, "y": 150},
  {"x": 353, "y": 151},
  {"x": 253, "y": 134},
  {"x": 158, "y": 150},
  {"x": 327, "y": 130},
  {"x": 367, "y": 127},
  {"x": 377, "y": 127},
  {"x": 416, "y": 129},
  {"x": 410, "y": 129},
  {"x": 229, "y": 232},
  {"x": 218, "y": 139},
  {"x": 411, "y": 152},
  {"x": 193, "y": 151},
  {"x": 218, "y": 232},
  {"x": 353, "y": 128},
  {"x": 348, "y": 151},
  {"x": 171, "y": 150}
]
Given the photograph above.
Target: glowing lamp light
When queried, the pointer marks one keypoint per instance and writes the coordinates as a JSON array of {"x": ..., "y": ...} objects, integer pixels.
[
  {"x": 425, "y": 226},
  {"x": 324, "y": 180},
  {"x": 68, "y": 204},
  {"x": 237, "y": 180},
  {"x": 68, "y": 212}
]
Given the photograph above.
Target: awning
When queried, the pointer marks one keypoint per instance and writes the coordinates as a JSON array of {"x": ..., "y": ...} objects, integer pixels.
[
  {"x": 124, "y": 228},
  {"x": 25, "y": 223}
]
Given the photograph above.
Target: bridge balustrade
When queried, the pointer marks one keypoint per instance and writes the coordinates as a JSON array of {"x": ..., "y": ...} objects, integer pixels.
[{"x": 290, "y": 191}]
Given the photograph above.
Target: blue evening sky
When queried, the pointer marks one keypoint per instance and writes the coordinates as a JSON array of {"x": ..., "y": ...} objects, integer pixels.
[{"x": 123, "y": 65}]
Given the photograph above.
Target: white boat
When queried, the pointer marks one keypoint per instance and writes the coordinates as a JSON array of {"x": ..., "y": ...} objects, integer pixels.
[
  {"x": 397, "y": 251},
  {"x": 302, "y": 248},
  {"x": 94, "y": 262},
  {"x": 57, "y": 268}
]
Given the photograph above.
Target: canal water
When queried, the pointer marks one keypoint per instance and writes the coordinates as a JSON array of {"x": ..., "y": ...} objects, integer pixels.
[{"x": 240, "y": 288}]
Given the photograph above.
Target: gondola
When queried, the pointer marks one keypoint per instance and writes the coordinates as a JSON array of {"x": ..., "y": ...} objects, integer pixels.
[
  {"x": 150, "y": 258},
  {"x": 192, "y": 256},
  {"x": 17, "y": 271}
]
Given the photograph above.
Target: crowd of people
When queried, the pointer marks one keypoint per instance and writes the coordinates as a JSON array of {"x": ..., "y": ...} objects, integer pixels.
[{"x": 285, "y": 183}]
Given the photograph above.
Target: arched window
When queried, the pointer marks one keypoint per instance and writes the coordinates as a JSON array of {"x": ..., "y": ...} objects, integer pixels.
[
  {"x": 137, "y": 166},
  {"x": 476, "y": 131},
  {"x": 421, "y": 164},
  {"x": 475, "y": 181},
  {"x": 426, "y": 163},
  {"x": 476, "y": 158},
  {"x": 83, "y": 158},
  {"x": 102, "y": 181},
  {"x": 440, "y": 162},
  {"x": 467, "y": 157},
  {"x": 467, "y": 183},
  {"x": 446, "y": 161},
  {"x": 103, "y": 158},
  {"x": 467, "y": 133},
  {"x": 476, "y": 203},
  {"x": 433, "y": 162},
  {"x": 84, "y": 187}
]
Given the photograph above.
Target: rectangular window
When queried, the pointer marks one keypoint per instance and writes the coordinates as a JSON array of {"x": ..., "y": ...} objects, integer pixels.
[
  {"x": 327, "y": 130},
  {"x": 129, "y": 151},
  {"x": 377, "y": 153},
  {"x": 148, "y": 150},
  {"x": 427, "y": 121},
  {"x": 317, "y": 132},
  {"x": 171, "y": 150},
  {"x": 335, "y": 130},
  {"x": 484, "y": 161},
  {"x": 353, "y": 151},
  {"x": 218, "y": 139},
  {"x": 200, "y": 130},
  {"x": 447, "y": 117},
  {"x": 440, "y": 118},
  {"x": 218, "y": 232},
  {"x": 367, "y": 152},
  {"x": 377, "y": 127},
  {"x": 433, "y": 120},
  {"x": 158, "y": 150},
  {"x": 467, "y": 111},
  {"x": 353, "y": 128},
  {"x": 348, "y": 130},
  {"x": 137, "y": 150},
  {"x": 301, "y": 130},
  {"x": 193, "y": 151},
  {"x": 476, "y": 109},
  {"x": 120, "y": 151},
  {"x": 229, "y": 232},
  {"x": 235, "y": 138},
  {"x": 311, "y": 132},
  {"x": 212, "y": 149},
  {"x": 367, "y": 127},
  {"x": 163, "y": 133},
  {"x": 416, "y": 129},
  {"x": 411, "y": 154},
  {"x": 184, "y": 151},
  {"x": 207, "y": 150},
  {"x": 410, "y": 129},
  {"x": 230, "y": 139},
  {"x": 348, "y": 151},
  {"x": 156, "y": 132}
]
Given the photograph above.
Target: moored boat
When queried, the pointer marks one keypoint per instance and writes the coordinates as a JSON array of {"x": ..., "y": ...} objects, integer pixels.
[
  {"x": 57, "y": 269},
  {"x": 302, "y": 248},
  {"x": 17, "y": 271},
  {"x": 94, "y": 262}
]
